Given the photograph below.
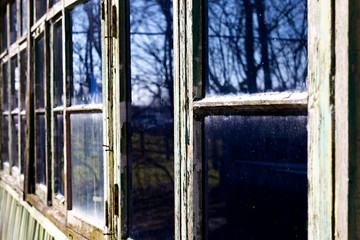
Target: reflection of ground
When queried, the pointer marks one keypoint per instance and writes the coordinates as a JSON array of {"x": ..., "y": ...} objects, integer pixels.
[
  {"x": 245, "y": 211},
  {"x": 153, "y": 216},
  {"x": 152, "y": 182}
]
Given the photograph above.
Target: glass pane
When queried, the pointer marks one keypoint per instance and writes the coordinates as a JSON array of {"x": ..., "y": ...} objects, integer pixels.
[
  {"x": 40, "y": 149},
  {"x": 3, "y": 28},
  {"x": 256, "y": 46},
  {"x": 152, "y": 143},
  {"x": 86, "y": 53},
  {"x": 5, "y": 139},
  {"x": 23, "y": 59},
  {"x": 40, "y": 8},
  {"x": 13, "y": 22},
  {"x": 5, "y": 105},
  {"x": 39, "y": 73},
  {"x": 256, "y": 177},
  {"x": 15, "y": 143},
  {"x": 59, "y": 154},
  {"x": 58, "y": 81},
  {"x": 87, "y": 164},
  {"x": 22, "y": 157},
  {"x": 24, "y": 6},
  {"x": 15, "y": 83}
]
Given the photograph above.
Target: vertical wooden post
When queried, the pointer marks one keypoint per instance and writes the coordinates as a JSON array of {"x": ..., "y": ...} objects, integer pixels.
[
  {"x": 320, "y": 120},
  {"x": 347, "y": 118},
  {"x": 189, "y": 72}
]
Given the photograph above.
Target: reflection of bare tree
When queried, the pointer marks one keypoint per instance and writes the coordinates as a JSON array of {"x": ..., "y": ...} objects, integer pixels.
[
  {"x": 151, "y": 24},
  {"x": 256, "y": 45},
  {"x": 86, "y": 53},
  {"x": 152, "y": 52}
]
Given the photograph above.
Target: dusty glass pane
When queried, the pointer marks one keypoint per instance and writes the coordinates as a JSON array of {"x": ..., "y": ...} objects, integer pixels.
[
  {"x": 40, "y": 8},
  {"x": 256, "y": 177},
  {"x": 59, "y": 154},
  {"x": 39, "y": 73},
  {"x": 24, "y": 6},
  {"x": 256, "y": 46},
  {"x": 5, "y": 139},
  {"x": 87, "y": 170},
  {"x": 58, "y": 66},
  {"x": 4, "y": 30},
  {"x": 40, "y": 149},
  {"x": 86, "y": 85},
  {"x": 22, "y": 136},
  {"x": 5, "y": 103},
  {"x": 152, "y": 141},
  {"x": 15, "y": 143},
  {"x": 15, "y": 83},
  {"x": 23, "y": 75},
  {"x": 13, "y": 22}
]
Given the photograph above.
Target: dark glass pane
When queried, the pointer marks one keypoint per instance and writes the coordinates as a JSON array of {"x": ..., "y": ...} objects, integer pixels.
[
  {"x": 256, "y": 46},
  {"x": 59, "y": 154},
  {"x": 39, "y": 73},
  {"x": 58, "y": 69},
  {"x": 86, "y": 53},
  {"x": 24, "y": 6},
  {"x": 87, "y": 165},
  {"x": 22, "y": 136},
  {"x": 5, "y": 90},
  {"x": 53, "y": 2},
  {"x": 40, "y": 149},
  {"x": 152, "y": 142},
  {"x": 13, "y": 22},
  {"x": 256, "y": 177},
  {"x": 40, "y": 8},
  {"x": 15, "y": 143},
  {"x": 23, "y": 75},
  {"x": 5, "y": 139},
  {"x": 4, "y": 30},
  {"x": 15, "y": 83}
]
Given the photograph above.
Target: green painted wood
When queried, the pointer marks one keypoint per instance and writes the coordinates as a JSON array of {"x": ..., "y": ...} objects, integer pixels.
[{"x": 320, "y": 121}]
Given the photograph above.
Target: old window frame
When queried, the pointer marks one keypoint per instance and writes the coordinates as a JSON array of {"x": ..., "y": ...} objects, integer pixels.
[
  {"x": 45, "y": 199},
  {"x": 11, "y": 51}
]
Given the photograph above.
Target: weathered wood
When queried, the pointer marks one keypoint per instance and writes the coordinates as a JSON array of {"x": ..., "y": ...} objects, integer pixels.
[
  {"x": 277, "y": 101},
  {"x": 342, "y": 114},
  {"x": 122, "y": 100},
  {"x": 320, "y": 121}
]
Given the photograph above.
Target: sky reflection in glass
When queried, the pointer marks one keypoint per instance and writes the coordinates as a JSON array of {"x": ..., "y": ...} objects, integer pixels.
[
  {"x": 86, "y": 85},
  {"x": 256, "y": 46}
]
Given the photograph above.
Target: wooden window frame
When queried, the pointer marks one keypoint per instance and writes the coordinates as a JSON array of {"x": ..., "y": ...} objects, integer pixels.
[
  {"x": 13, "y": 173},
  {"x": 46, "y": 200}
]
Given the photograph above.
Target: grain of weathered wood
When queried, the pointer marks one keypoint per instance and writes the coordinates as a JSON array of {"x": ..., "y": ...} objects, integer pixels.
[
  {"x": 342, "y": 119},
  {"x": 320, "y": 124}
]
